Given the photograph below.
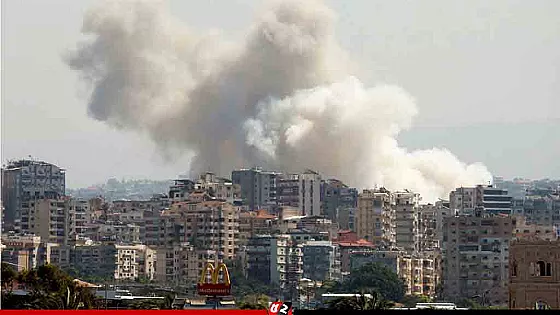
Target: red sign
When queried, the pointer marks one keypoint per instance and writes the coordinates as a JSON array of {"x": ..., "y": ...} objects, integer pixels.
[
  {"x": 280, "y": 308},
  {"x": 214, "y": 289}
]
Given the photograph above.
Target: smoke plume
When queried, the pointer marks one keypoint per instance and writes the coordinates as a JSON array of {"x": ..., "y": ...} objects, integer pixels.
[{"x": 282, "y": 98}]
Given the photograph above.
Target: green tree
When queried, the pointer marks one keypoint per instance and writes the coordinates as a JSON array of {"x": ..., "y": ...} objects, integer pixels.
[
  {"x": 48, "y": 287},
  {"x": 254, "y": 302},
  {"x": 362, "y": 302},
  {"x": 9, "y": 276},
  {"x": 375, "y": 277}
]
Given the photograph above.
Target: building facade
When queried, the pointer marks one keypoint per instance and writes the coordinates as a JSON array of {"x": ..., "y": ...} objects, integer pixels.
[
  {"x": 310, "y": 193},
  {"x": 475, "y": 252},
  {"x": 258, "y": 187},
  {"x": 321, "y": 261},
  {"x": 375, "y": 217},
  {"x": 27, "y": 181},
  {"x": 535, "y": 277},
  {"x": 407, "y": 221}
]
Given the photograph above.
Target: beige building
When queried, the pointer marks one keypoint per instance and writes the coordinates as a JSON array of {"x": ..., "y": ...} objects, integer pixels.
[
  {"x": 121, "y": 262},
  {"x": 253, "y": 223},
  {"x": 49, "y": 219},
  {"x": 209, "y": 225},
  {"x": 407, "y": 218},
  {"x": 181, "y": 264},
  {"x": 117, "y": 232},
  {"x": 21, "y": 251},
  {"x": 375, "y": 217},
  {"x": 219, "y": 188},
  {"x": 475, "y": 252},
  {"x": 420, "y": 273},
  {"x": 525, "y": 231},
  {"x": 535, "y": 276}
]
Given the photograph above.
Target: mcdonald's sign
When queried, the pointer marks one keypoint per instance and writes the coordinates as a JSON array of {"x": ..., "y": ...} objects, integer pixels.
[{"x": 212, "y": 286}]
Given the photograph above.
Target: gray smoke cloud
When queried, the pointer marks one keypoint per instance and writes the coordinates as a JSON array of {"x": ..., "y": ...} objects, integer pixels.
[{"x": 283, "y": 97}]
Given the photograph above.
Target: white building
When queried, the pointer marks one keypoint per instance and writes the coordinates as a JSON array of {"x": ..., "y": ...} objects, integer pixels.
[
  {"x": 310, "y": 193},
  {"x": 286, "y": 262}
]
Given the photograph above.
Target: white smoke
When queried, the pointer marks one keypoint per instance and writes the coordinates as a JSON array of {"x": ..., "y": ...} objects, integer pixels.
[{"x": 281, "y": 98}]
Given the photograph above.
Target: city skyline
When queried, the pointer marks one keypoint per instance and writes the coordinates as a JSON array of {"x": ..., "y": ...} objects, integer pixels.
[{"x": 526, "y": 147}]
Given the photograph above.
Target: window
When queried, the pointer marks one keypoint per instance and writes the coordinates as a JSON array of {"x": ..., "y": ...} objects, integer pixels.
[
  {"x": 514, "y": 269},
  {"x": 548, "y": 269},
  {"x": 541, "y": 268}
]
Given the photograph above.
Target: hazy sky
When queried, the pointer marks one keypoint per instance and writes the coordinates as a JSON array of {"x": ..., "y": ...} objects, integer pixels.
[{"x": 485, "y": 75}]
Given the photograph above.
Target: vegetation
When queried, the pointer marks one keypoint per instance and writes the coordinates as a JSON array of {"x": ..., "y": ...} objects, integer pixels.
[
  {"x": 244, "y": 289},
  {"x": 374, "y": 277},
  {"x": 362, "y": 302},
  {"x": 47, "y": 287},
  {"x": 254, "y": 302},
  {"x": 412, "y": 300}
]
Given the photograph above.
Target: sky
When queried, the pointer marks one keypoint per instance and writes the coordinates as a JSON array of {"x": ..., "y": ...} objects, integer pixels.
[{"x": 485, "y": 76}]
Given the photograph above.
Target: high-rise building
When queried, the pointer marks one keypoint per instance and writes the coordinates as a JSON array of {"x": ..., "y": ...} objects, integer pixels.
[
  {"x": 337, "y": 200},
  {"x": 26, "y": 181},
  {"x": 321, "y": 261},
  {"x": 407, "y": 218},
  {"x": 286, "y": 264},
  {"x": 259, "y": 258},
  {"x": 287, "y": 190},
  {"x": 481, "y": 199},
  {"x": 310, "y": 193},
  {"x": 375, "y": 218},
  {"x": 258, "y": 187},
  {"x": 475, "y": 257}
]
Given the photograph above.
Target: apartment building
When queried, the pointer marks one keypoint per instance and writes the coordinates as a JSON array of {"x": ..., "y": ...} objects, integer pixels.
[
  {"x": 258, "y": 187},
  {"x": 49, "y": 219},
  {"x": 219, "y": 188},
  {"x": 310, "y": 193},
  {"x": 541, "y": 210},
  {"x": 475, "y": 251},
  {"x": 181, "y": 264},
  {"x": 534, "y": 280},
  {"x": 321, "y": 261},
  {"x": 212, "y": 225},
  {"x": 488, "y": 199},
  {"x": 121, "y": 262},
  {"x": 286, "y": 264},
  {"x": 420, "y": 273},
  {"x": 80, "y": 217},
  {"x": 259, "y": 261},
  {"x": 336, "y": 200},
  {"x": 375, "y": 218},
  {"x": 407, "y": 219},
  {"x": 348, "y": 249},
  {"x": 363, "y": 256},
  {"x": 287, "y": 190},
  {"x": 24, "y": 182},
  {"x": 116, "y": 232},
  {"x": 20, "y": 251},
  {"x": 527, "y": 231},
  {"x": 428, "y": 227},
  {"x": 180, "y": 190},
  {"x": 155, "y": 203},
  {"x": 253, "y": 223}
]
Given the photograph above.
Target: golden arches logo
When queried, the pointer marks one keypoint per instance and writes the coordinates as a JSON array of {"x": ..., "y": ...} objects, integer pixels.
[{"x": 215, "y": 274}]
